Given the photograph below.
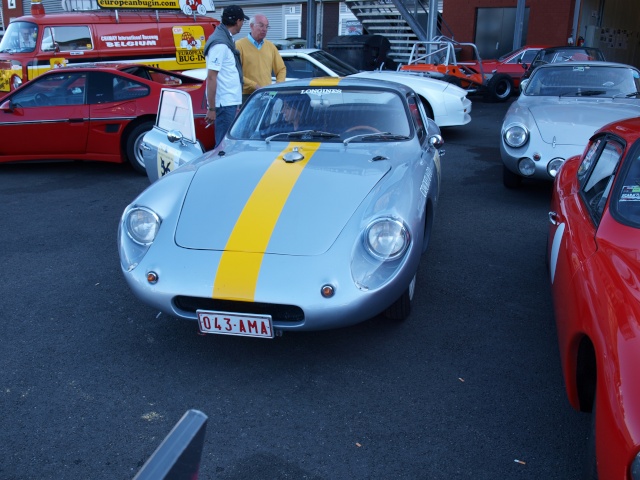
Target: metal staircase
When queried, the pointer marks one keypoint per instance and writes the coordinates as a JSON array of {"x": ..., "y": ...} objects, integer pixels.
[{"x": 402, "y": 22}]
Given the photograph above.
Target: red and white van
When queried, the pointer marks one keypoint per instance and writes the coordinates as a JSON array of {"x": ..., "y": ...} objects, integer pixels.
[{"x": 33, "y": 44}]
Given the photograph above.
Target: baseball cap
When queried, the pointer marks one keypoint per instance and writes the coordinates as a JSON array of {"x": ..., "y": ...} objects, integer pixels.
[{"x": 232, "y": 13}]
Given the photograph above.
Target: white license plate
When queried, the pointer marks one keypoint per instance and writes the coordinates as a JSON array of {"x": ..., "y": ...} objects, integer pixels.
[{"x": 245, "y": 325}]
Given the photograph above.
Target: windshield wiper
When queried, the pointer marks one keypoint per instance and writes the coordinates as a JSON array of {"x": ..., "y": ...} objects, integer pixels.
[
  {"x": 585, "y": 93},
  {"x": 303, "y": 134},
  {"x": 376, "y": 137}
]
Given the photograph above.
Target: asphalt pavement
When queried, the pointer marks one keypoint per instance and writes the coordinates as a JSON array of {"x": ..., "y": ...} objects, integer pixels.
[{"x": 469, "y": 386}]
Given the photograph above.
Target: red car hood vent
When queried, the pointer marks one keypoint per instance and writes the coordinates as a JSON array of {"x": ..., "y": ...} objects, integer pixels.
[{"x": 270, "y": 206}]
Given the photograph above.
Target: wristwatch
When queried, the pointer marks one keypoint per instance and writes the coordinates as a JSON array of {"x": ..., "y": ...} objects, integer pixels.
[{"x": 211, "y": 109}]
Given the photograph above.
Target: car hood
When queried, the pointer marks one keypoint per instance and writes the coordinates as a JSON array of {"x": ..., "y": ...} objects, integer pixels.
[
  {"x": 417, "y": 82},
  {"x": 574, "y": 122},
  {"x": 254, "y": 201}
]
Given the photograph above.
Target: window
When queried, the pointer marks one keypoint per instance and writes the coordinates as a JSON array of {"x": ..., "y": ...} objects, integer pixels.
[
  {"x": 67, "y": 39},
  {"x": 19, "y": 37},
  {"x": 597, "y": 183},
  {"x": 301, "y": 68},
  {"x": 421, "y": 131},
  {"x": 625, "y": 203},
  {"x": 53, "y": 90}
]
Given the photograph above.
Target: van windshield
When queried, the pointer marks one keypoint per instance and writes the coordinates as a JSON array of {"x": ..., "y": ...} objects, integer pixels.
[{"x": 20, "y": 37}]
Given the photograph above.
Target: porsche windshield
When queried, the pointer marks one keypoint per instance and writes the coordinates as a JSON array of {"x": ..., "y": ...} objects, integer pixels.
[
  {"x": 582, "y": 80},
  {"x": 324, "y": 114}
]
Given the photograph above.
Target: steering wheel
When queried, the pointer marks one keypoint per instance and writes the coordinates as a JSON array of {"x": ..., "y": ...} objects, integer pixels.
[
  {"x": 42, "y": 99},
  {"x": 364, "y": 128}
]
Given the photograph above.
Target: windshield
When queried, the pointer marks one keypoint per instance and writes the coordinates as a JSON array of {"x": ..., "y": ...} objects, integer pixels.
[
  {"x": 627, "y": 202},
  {"x": 341, "y": 68},
  {"x": 582, "y": 80},
  {"x": 557, "y": 55},
  {"x": 20, "y": 37},
  {"x": 323, "y": 114}
]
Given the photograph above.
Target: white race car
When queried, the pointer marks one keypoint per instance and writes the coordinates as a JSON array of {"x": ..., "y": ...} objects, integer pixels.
[{"x": 444, "y": 102}]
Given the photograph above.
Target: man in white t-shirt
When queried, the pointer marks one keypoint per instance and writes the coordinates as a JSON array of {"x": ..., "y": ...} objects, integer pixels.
[{"x": 224, "y": 72}]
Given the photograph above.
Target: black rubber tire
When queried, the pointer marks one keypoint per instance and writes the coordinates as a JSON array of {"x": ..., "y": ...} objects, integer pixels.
[
  {"x": 499, "y": 88},
  {"x": 510, "y": 179},
  {"x": 591, "y": 464},
  {"x": 401, "y": 308},
  {"x": 133, "y": 147}
]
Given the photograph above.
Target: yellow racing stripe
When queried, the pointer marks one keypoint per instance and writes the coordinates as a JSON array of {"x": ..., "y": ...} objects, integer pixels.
[
  {"x": 239, "y": 267},
  {"x": 325, "y": 82}
]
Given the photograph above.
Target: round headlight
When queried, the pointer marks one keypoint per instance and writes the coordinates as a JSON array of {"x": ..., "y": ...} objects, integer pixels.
[
  {"x": 516, "y": 135},
  {"x": 554, "y": 166},
  {"x": 16, "y": 81},
  {"x": 387, "y": 238},
  {"x": 142, "y": 225},
  {"x": 526, "y": 167}
]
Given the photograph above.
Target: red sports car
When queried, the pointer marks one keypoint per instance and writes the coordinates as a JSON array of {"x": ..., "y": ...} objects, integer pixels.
[
  {"x": 594, "y": 264},
  {"x": 91, "y": 113}
]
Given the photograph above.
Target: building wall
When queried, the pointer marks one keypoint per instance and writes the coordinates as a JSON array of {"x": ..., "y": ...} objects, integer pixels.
[
  {"x": 550, "y": 21},
  {"x": 611, "y": 25}
]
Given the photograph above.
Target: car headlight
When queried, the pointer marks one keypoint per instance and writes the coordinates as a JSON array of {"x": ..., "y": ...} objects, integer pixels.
[
  {"x": 554, "y": 166},
  {"x": 526, "y": 166},
  {"x": 137, "y": 231},
  {"x": 635, "y": 468},
  {"x": 142, "y": 225},
  {"x": 516, "y": 135},
  {"x": 386, "y": 238},
  {"x": 16, "y": 81}
]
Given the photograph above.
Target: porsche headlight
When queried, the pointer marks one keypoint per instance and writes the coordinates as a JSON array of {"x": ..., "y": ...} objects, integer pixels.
[
  {"x": 137, "y": 231},
  {"x": 516, "y": 135},
  {"x": 142, "y": 225},
  {"x": 554, "y": 166},
  {"x": 386, "y": 238}
]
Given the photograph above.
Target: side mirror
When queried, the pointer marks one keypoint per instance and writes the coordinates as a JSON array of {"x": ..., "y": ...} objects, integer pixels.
[
  {"x": 436, "y": 141},
  {"x": 7, "y": 106},
  {"x": 524, "y": 66},
  {"x": 174, "y": 136}
]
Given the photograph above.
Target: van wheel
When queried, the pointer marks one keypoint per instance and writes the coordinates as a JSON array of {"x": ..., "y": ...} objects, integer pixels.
[
  {"x": 500, "y": 88},
  {"x": 134, "y": 146}
]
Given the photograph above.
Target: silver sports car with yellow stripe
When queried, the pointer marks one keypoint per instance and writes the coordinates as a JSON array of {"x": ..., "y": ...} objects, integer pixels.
[{"x": 313, "y": 213}]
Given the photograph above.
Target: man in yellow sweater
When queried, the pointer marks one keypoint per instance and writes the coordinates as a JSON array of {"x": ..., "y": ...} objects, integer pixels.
[{"x": 260, "y": 57}]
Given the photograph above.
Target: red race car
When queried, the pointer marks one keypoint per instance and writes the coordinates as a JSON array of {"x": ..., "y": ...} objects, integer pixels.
[
  {"x": 593, "y": 255},
  {"x": 91, "y": 113}
]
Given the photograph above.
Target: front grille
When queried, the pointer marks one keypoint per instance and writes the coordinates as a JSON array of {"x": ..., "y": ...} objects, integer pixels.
[{"x": 278, "y": 312}]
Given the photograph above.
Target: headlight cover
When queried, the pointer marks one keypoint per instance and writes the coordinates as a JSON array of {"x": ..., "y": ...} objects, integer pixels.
[
  {"x": 16, "y": 81},
  {"x": 516, "y": 135},
  {"x": 137, "y": 231},
  {"x": 142, "y": 225},
  {"x": 380, "y": 252},
  {"x": 386, "y": 238},
  {"x": 554, "y": 166}
]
